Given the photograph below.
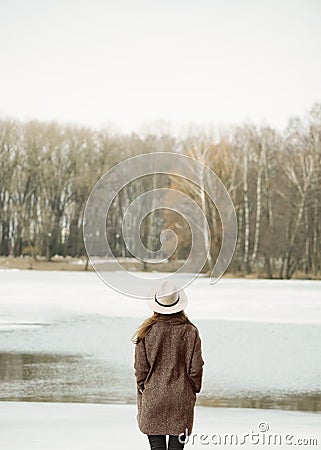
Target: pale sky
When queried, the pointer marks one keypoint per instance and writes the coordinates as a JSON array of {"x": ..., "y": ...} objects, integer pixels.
[{"x": 130, "y": 62}]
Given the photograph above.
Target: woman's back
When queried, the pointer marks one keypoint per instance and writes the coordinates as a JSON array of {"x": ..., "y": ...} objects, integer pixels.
[{"x": 168, "y": 369}]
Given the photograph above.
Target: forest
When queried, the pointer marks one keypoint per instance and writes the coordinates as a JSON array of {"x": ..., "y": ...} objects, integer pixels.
[{"x": 47, "y": 171}]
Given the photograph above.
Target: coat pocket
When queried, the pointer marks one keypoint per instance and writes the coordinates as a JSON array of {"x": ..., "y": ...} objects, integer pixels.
[{"x": 191, "y": 382}]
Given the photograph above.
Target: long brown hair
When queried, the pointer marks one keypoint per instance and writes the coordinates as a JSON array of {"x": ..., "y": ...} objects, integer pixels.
[{"x": 144, "y": 328}]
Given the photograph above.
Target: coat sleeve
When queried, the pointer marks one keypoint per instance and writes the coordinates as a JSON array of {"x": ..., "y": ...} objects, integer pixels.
[
  {"x": 197, "y": 362},
  {"x": 141, "y": 364}
]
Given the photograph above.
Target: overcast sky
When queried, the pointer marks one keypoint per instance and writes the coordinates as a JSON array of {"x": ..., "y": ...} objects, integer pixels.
[{"x": 130, "y": 62}]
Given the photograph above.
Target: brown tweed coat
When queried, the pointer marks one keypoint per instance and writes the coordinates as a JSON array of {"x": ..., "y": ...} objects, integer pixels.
[{"x": 168, "y": 370}]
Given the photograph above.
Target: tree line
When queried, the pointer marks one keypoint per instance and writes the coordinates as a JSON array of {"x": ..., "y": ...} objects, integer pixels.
[{"x": 47, "y": 171}]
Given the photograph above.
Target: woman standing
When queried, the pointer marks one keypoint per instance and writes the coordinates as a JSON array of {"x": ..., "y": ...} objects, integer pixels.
[{"x": 168, "y": 369}]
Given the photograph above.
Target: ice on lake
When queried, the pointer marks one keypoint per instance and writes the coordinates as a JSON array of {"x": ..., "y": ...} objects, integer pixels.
[{"x": 65, "y": 336}]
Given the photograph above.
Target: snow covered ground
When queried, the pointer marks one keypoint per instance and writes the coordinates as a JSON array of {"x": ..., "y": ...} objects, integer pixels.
[{"x": 72, "y": 426}]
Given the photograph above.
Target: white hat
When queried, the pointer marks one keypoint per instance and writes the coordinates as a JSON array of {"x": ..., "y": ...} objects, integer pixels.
[{"x": 167, "y": 300}]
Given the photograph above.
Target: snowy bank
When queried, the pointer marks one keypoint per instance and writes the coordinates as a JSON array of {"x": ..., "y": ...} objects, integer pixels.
[{"x": 79, "y": 426}]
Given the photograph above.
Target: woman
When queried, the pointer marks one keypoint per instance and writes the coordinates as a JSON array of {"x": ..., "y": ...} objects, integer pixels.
[{"x": 168, "y": 369}]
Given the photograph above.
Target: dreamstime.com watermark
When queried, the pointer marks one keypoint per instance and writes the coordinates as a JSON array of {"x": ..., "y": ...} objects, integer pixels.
[
  {"x": 260, "y": 437},
  {"x": 101, "y": 203}
]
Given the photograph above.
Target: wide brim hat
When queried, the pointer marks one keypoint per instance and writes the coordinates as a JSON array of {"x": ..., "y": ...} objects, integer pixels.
[{"x": 167, "y": 299}]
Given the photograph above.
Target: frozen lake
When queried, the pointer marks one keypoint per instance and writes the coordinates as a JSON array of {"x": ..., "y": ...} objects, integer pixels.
[{"x": 65, "y": 336}]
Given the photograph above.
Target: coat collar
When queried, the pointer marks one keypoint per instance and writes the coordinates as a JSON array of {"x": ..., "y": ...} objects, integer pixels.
[{"x": 168, "y": 318}]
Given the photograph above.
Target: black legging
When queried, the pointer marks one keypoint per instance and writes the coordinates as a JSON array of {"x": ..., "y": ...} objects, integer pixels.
[{"x": 158, "y": 442}]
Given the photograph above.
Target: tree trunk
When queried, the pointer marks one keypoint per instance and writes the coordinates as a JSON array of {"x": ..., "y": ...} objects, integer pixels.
[{"x": 246, "y": 214}]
